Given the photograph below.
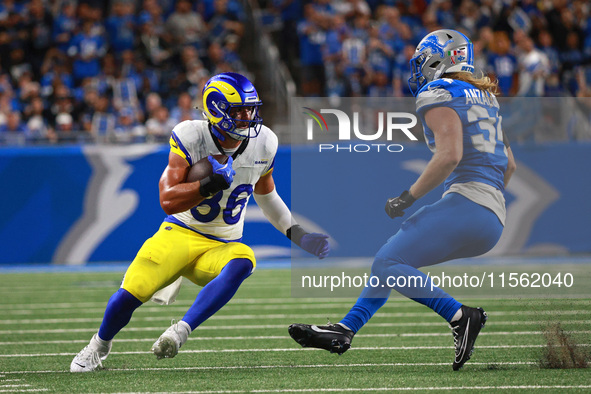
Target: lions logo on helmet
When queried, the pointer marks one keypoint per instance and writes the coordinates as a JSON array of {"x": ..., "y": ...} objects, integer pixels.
[
  {"x": 224, "y": 95},
  {"x": 440, "y": 52}
]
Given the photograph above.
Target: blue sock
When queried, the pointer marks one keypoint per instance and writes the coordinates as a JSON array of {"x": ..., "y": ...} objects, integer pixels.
[
  {"x": 373, "y": 298},
  {"x": 361, "y": 312},
  {"x": 118, "y": 313},
  {"x": 218, "y": 292},
  {"x": 442, "y": 303}
]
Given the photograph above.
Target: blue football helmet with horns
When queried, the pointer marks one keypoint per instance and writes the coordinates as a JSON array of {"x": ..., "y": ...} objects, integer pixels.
[{"x": 224, "y": 95}]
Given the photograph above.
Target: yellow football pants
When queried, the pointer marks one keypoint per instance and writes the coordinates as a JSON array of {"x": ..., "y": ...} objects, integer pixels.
[{"x": 174, "y": 251}]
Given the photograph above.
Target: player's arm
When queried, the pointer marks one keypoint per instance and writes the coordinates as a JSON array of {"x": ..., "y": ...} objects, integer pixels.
[
  {"x": 447, "y": 129},
  {"x": 511, "y": 166},
  {"x": 280, "y": 217},
  {"x": 175, "y": 195}
]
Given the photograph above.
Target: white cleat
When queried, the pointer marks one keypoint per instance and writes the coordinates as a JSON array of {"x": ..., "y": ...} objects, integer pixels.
[
  {"x": 89, "y": 359},
  {"x": 169, "y": 343}
]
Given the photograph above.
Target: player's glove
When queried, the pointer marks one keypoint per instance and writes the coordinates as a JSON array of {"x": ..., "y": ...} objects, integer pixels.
[
  {"x": 314, "y": 243},
  {"x": 221, "y": 179},
  {"x": 395, "y": 206}
]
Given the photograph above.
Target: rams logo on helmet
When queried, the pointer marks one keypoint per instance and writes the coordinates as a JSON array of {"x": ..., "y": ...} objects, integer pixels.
[{"x": 224, "y": 96}]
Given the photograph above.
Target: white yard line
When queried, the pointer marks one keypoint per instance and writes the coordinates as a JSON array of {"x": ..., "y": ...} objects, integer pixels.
[
  {"x": 287, "y": 350},
  {"x": 257, "y": 301},
  {"x": 263, "y": 326},
  {"x": 292, "y": 316},
  {"x": 391, "y": 389},
  {"x": 180, "y": 308},
  {"x": 268, "y": 337},
  {"x": 239, "y": 367}
]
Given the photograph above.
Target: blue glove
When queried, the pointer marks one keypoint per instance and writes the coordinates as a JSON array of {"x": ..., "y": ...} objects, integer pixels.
[
  {"x": 221, "y": 179},
  {"x": 224, "y": 170},
  {"x": 316, "y": 244}
]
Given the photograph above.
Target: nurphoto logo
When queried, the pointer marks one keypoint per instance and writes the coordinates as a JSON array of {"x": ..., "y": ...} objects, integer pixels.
[{"x": 389, "y": 123}]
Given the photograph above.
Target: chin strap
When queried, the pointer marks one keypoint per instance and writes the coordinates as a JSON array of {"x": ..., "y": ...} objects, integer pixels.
[{"x": 216, "y": 140}]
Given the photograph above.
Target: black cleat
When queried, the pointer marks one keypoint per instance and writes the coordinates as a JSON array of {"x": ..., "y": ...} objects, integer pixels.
[
  {"x": 332, "y": 337},
  {"x": 465, "y": 332}
]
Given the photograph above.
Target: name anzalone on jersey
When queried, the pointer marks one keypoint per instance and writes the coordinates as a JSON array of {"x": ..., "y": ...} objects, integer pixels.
[
  {"x": 480, "y": 174},
  {"x": 221, "y": 216}
]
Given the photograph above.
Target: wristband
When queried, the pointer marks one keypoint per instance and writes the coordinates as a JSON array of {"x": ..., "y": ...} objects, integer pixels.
[
  {"x": 295, "y": 233},
  {"x": 408, "y": 198},
  {"x": 211, "y": 185}
]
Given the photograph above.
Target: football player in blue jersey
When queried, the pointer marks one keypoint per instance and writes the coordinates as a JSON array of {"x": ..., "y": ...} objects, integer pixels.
[
  {"x": 200, "y": 237},
  {"x": 463, "y": 129}
]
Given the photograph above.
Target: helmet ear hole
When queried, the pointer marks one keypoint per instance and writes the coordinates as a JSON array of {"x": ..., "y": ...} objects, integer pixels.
[{"x": 435, "y": 64}]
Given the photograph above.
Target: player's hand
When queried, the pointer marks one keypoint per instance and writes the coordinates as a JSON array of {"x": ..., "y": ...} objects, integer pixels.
[
  {"x": 316, "y": 244},
  {"x": 225, "y": 170},
  {"x": 220, "y": 179},
  {"x": 395, "y": 206}
]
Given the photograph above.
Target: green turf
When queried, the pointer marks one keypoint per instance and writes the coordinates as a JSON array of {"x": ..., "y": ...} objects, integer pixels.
[{"x": 46, "y": 318}]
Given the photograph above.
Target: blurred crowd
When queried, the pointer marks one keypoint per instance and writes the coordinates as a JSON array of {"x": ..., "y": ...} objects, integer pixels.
[
  {"x": 129, "y": 70},
  {"x": 362, "y": 47},
  {"x": 113, "y": 71}
]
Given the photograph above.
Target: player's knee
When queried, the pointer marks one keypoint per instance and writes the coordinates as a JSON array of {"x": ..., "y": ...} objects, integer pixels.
[
  {"x": 382, "y": 266},
  {"x": 240, "y": 267},
  {"x": 140, "y": 288},
  {"x": 242, "y": 251}
]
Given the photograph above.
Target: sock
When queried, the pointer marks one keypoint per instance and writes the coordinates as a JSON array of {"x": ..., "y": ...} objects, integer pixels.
[
  {"x": 361, "y": 312},
  {"x": 118, "y": 313},
  {"x": 435, "y": 298},
  {"x": 184, "y": 330},
  {"x": 457, "y": 316},
  {"x": 373, "y": 298},
  {"x": 218, "y": 292}
]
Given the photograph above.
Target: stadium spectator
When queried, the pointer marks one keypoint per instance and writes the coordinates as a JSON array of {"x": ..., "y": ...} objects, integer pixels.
[
  {"x": 186, "y": 26},
  {"x": 120, "y": 26},
  {"x": 64, "y": 26},
  {"x": 503, "y": 64},
  {"x": 152, "y": 45},
  {"x": 127, "y": 128},
  {"x": 159, "y": 126},
  {"x": 39, "y": 24},
  {"x": 534, "y": 67},
  {"x": 38, "y": 129},
  {"x": 184, "y": 110},
  {"x": 65, "y": 128},
  {"x": 312, "y": 38},
  {"x": 226, "y": 19},
  {"x": 14, "y": 131},
  {"x": 87, "y": 48},
  {"x": 401, "y": 72},
  {"x": 55, "y": 70},
  {"x": 103, "y": 120}
]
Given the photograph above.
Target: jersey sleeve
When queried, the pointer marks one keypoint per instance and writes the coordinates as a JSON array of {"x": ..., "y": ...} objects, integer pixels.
[
  {"x": 181, "y": 140},
  {"x": 271, "y": 145},
  {"x": 435, "y": 94}
]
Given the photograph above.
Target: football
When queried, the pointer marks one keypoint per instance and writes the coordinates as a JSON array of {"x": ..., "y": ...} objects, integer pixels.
[{"x": 203, "y": 169}]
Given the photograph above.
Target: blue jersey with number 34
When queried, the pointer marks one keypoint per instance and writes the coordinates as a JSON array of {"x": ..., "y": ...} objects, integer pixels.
[{"x": 484, "y": 156}]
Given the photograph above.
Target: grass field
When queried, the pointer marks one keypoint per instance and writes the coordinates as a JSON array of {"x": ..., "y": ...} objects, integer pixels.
[{"x": 46, "y": 318}]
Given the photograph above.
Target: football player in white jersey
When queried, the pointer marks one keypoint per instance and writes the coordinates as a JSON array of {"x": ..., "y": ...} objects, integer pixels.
[{"x": 200, "y": 238}]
